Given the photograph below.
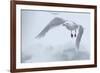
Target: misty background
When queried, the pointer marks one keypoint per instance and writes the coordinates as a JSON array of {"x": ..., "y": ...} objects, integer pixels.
[{"x": 57, "y": 44}]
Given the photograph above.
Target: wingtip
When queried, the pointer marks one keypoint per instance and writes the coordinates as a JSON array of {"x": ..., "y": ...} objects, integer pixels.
[
  {"x": 36, "y": 36},
  {"x": 39, "y": 36}
]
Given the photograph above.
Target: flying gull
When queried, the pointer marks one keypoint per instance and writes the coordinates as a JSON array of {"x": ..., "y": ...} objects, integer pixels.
[{"x": 70, "y": 25}]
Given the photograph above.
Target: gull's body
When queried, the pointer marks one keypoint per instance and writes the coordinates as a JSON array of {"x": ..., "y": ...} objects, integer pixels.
[{"x": 70, "y": 25}]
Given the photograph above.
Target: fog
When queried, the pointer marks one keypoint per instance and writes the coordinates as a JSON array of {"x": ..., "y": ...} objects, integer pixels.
[{"x": 57, "y": 44}]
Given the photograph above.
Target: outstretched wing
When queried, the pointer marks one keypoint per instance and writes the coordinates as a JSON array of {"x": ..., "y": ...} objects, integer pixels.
[
  {"x": 78, "y": 39},
  {"x": 53, "y": 23}
]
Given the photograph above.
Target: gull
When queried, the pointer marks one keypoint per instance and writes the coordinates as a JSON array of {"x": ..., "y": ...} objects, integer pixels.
[{"x": 70, "y": 25}]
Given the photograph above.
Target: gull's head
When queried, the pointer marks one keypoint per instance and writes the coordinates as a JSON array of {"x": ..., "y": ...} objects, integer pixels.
[{"x": 70, "y": 25}]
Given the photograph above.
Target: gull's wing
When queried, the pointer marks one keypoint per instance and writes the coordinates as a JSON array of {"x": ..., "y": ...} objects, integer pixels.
[
  {"x": 53, "y": 23},
  {"x": 80, "y": 33}
]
